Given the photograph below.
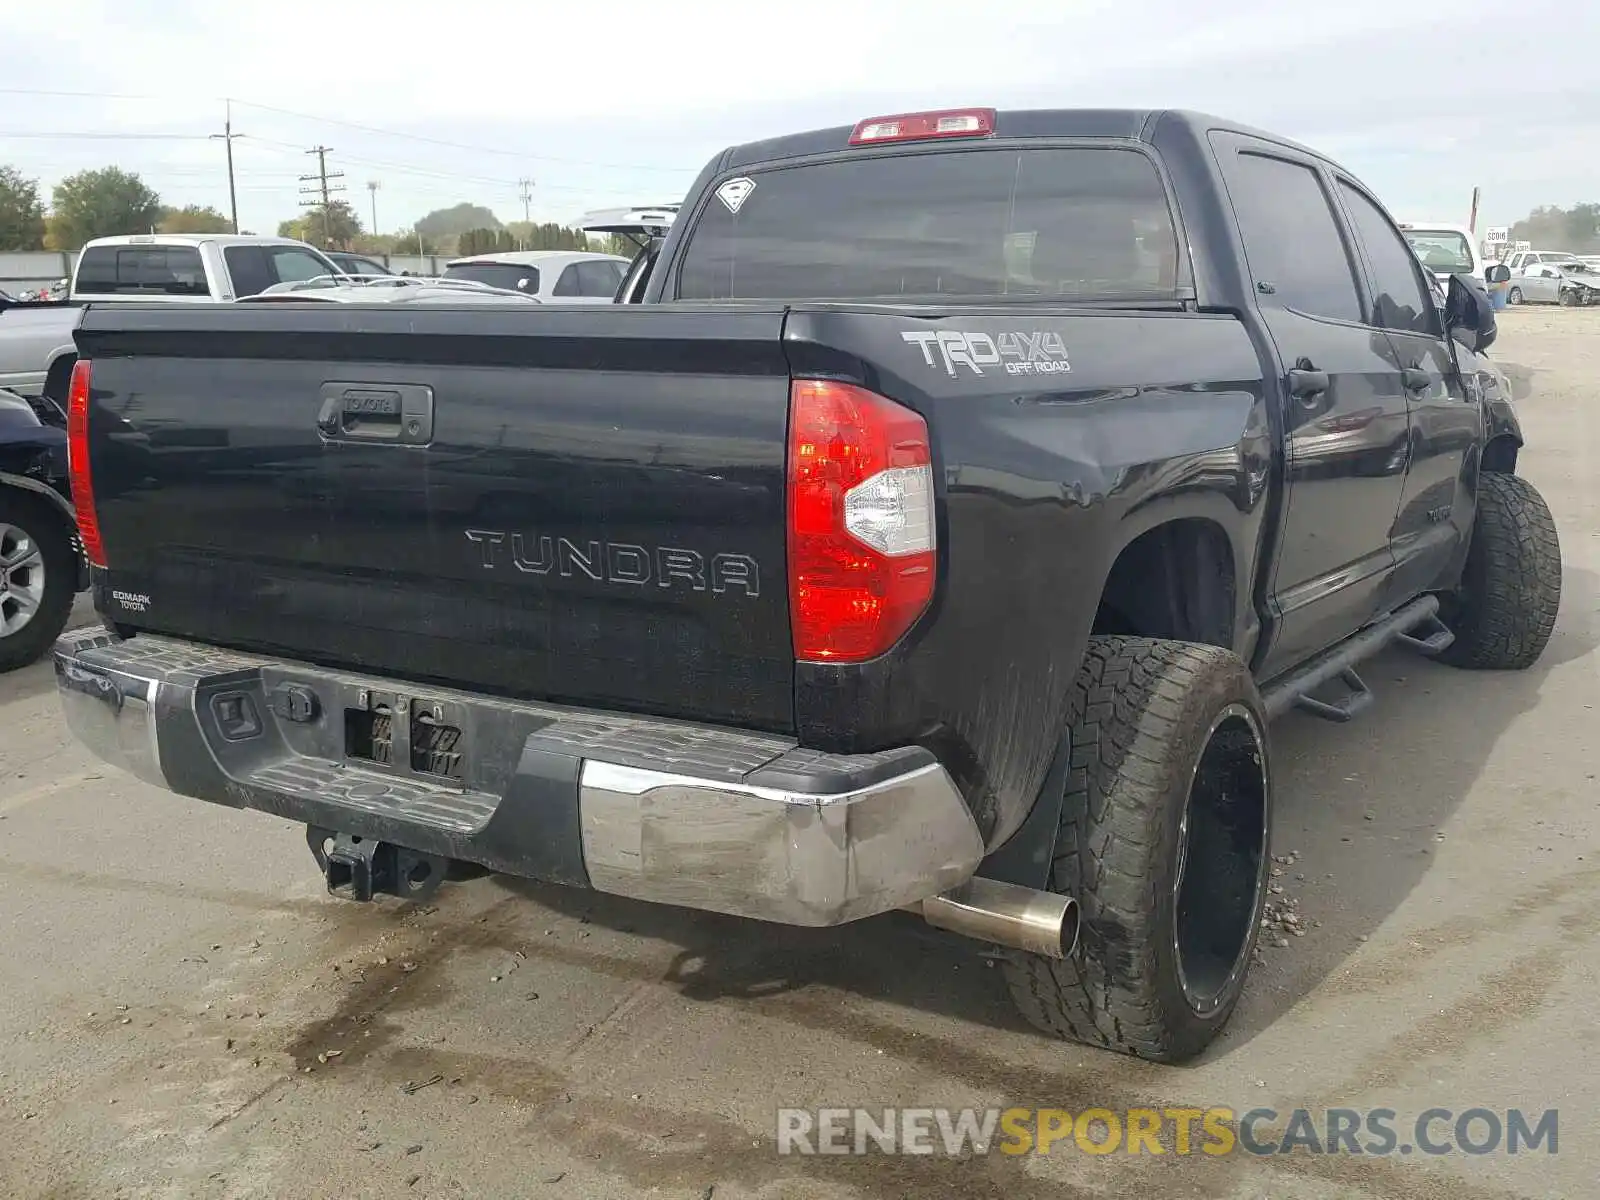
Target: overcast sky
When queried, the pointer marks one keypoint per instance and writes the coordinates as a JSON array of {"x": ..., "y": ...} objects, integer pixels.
[{"x": 448, "y": 102}]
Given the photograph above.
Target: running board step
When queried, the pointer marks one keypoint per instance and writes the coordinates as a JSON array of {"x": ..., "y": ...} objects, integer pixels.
[
  {"x": 1294, "y": 689},
  {"x": 1357, "y": 698},
  {"x": 1430, "y": 637}
]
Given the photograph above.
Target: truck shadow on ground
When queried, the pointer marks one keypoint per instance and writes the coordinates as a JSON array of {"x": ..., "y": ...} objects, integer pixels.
[{"x": 1362, "y": 804}]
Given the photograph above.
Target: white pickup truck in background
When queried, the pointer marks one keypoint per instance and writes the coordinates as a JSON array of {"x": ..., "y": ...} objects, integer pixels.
[
  {"x": 36, "y": 350},
  {"x": 1445, "y": 249}
]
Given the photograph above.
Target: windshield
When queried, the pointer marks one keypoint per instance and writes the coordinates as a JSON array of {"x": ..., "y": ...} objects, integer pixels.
[
  {"x": 510, "y": 276},
  {"x": 1442, "y": 250},
  {"x": 1078, "y": 223}
]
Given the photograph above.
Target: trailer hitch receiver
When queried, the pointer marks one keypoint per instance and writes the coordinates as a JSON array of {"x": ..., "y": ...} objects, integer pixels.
[{"x": 358, "y": 868}]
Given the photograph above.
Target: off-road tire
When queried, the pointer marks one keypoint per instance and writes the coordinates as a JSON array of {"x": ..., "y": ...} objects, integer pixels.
[
  {"x": 1505, "y": 609},
  {"x": 1141, "y": 712},
  {"x": 52, "y": 533}
]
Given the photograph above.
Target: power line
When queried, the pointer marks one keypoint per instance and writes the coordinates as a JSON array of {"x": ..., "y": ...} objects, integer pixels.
[
  {"x": 100, "y": 136},
  {"x": 418, "y": 137},
  {"x": 374, "y": 129}
]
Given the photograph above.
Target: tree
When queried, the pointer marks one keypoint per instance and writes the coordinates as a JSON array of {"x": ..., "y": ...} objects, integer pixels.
[
  {"x": 614, "y": 243},
  {"x": 446, "y": 224},
  {"x": 102, "y": 203},
  {"x": 485, "y": 241},
  {"x": 193, "y": 218},
  {"x": 1576, "y": 229},
  {"x": 334, "y": 231},
  {"x": 21, "y": 212}
]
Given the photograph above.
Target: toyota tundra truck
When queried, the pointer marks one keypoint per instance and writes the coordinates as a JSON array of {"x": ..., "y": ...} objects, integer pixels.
[{"x": 936, "y": 523}]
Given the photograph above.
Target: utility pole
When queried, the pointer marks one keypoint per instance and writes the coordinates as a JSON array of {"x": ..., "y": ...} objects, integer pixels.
[
  {"x": 372, "y": 187},
  {"x": 526, "y": 192},
  {"x": 322, "y": 178},
  {"x": 227, "y": 135}
]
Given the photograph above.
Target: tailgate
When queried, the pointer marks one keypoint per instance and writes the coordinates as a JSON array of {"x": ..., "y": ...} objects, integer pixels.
[{"x": 579, "y": 505}]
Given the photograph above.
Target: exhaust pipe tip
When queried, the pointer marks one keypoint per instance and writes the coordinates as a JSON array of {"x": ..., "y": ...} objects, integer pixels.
[{"x": 1022, "y": 918}]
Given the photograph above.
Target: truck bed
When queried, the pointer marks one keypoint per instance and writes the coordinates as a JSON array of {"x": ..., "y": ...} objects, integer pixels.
[{"x": 597, "y": 515}]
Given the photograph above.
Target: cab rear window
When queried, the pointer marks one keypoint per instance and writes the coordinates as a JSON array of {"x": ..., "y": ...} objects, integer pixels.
[
  {"x": 135, "y": 270},
  {"x": 1075, "y": 223},
  {"x": 511, "y": 276}
]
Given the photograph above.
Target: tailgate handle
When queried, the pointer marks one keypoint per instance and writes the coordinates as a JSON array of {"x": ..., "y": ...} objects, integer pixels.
[{"x": 398, "y": 414}]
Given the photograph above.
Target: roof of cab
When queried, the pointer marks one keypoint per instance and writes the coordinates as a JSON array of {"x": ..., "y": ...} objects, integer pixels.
[
  {"x": 194, "y": 239},
  {"x": 1126, "y": 123}
]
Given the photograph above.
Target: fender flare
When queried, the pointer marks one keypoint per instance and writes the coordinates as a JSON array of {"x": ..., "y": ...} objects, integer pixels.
[
  {"x": 62, "y": 505},
  {"x": 24, "y": 483}
]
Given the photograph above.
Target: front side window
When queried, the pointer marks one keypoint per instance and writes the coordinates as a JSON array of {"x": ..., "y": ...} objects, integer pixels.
[
  {"x": 1399, "y": 300},
  {"x": 1088, "y": 223}
]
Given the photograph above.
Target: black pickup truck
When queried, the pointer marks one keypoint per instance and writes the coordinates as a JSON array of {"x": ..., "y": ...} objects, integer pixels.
[{"x": 940, "y": 531}]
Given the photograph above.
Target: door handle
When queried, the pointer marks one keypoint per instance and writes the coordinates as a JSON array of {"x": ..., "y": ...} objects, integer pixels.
[
  {"x": 1306, "y": 384},
  {"x": 394, "y": 414},
  {"x": 1416, "y": 380}
]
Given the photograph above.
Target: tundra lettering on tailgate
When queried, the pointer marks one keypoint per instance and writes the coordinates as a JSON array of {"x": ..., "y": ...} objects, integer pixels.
[
  {"x": 1038, "y": 353},
  {"x": 616, "y": 562}
]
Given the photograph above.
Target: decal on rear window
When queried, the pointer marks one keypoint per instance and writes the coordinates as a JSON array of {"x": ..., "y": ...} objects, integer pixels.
[{"x": 735, "y": 192}]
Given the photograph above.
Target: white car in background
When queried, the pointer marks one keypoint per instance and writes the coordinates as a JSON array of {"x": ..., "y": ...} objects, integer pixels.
[
  {"x": 552, "y": 276},
  {"x": 1445, "y": 249}
]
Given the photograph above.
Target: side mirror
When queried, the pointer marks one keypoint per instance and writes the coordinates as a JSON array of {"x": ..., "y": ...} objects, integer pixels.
[
  {"x": 1497, "y": 273},
  {"x": 1469, "y": 313}
]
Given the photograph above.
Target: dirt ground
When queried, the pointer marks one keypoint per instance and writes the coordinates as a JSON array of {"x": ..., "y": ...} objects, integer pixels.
[{"x": 184, "y": 1012}]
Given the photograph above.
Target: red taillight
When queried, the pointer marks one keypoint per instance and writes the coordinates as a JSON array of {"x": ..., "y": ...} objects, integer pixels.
[
  {"x": 78, "y": 463},
  {"x": 906, "y": 127},
  {"x": 861, "y": 523}
]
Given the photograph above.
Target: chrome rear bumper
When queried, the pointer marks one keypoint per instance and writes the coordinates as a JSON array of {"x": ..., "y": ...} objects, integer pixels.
[{"x": 708, "y": 818}]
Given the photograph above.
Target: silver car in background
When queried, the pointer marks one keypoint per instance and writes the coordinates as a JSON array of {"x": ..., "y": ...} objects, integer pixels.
[{"x": 1557, "y": 281}]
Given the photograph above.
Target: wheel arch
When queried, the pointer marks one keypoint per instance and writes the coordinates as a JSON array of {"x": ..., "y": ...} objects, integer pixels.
[
  {"x": 57, "y": 503},
  {"x": 1185, "y": 559},
  {"x": 58, "y": 375}
]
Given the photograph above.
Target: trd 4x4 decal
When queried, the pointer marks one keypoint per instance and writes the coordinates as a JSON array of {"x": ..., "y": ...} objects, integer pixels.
[{"x": 1037, "y": 353}]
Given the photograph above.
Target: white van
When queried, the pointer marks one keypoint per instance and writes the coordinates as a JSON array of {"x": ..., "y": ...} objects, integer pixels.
[{"x": 1444, "y": 249}]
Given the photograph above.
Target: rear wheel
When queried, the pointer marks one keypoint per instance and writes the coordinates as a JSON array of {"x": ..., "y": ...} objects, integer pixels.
[
  {"x": 1163, "y": 842},
  {"x": 38, "y": 577},
  {"x": 1504, "y": 610}
]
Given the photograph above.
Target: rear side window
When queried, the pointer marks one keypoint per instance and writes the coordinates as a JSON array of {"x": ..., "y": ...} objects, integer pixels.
[
  {"x": 290, "y": 263},
  {"x": 567, "y": 285},
  {"x": 600, "y": 278},
  {"x": 135, "y": 270},
  {"x": 1090, "y": 222},
  {"x": 1291, "y": 237},
  {"x": 512, "y": 277},
  {"x": 254, "y": 269}
]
